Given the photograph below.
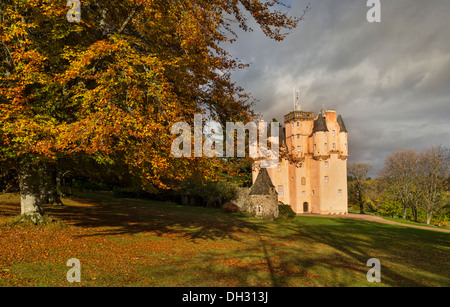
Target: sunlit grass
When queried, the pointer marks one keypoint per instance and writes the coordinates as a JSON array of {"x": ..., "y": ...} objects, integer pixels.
[{"x": 123, "y": 242}]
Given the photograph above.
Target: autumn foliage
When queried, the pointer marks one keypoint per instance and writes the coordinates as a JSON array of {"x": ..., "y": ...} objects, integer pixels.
[{"x": 110, "y": 87}]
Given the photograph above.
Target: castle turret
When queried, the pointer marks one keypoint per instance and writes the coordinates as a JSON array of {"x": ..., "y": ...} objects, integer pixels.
[
  {"x": 343, "y": 147},
  {"x": 318, "y": 183},
  {"x": 341, "y": 124}
]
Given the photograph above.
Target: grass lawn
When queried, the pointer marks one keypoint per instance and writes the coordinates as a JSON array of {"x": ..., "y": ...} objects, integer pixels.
[
  {"x": 400, "y": 220},
  {"x": 123, "y": 242}
]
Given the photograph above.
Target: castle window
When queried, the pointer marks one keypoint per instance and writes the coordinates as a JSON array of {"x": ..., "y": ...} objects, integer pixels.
[
  {"x": 259, "y": 209},
  {"x": 301, "y": 165},
  {"x": 325, "y": 146},
  {"x": 299, "y": 148},
  {"x": 345, "y": 146},
  {"x": 315, "y": 146},
  {"x": 280, "y": 191},
  {"x": 279, "y": 167},
  {"x": 340, "y": 192},
  {"x": 313, "y": 193},
  {"x": 334, "y": 132},
  {"x": 334, "y": 145},
  {"x": 303, "y": 180},
  {"x": 303, "y": 193},
  {"x": 292, "y": 179},
  {"x": 298, "y": 136},
  {"x": 298, "y": 124},
  {"x": 292, "y": 125},
  {"x": 326, "y": 164},
  {"x": 326, "y": 178}
]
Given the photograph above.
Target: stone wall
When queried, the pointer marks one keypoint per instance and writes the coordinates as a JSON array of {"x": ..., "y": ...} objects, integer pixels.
[
  {"x": 264, "y": 206},
  {"x": 242, "y": 199}
]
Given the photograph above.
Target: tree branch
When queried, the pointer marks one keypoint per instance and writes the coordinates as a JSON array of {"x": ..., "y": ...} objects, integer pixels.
[{"x": 133, "y": 11}]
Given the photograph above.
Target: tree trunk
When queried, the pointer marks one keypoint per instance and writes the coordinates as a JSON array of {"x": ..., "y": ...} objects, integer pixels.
[
  {"x": 48, "y": 184},
  {"x": 404, "y": 212},
  {"x": 53, "y": 194},
  {"x": 415, "y": 213},
  {"x": 429, "y": 216},
  {"x": 30, "y": 197},
  {"x": 361, "y": 203},
  {"x": 43, "y": 179}
]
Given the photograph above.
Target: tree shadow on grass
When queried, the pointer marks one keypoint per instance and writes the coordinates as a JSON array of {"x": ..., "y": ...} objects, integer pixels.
[
  {"x": 270, "y": 254},
  {"x": 264, "y": 263},
  {"x": 132, "y": 216},
  {"x": 396, "y": 247},
  {"x": 335, "y": 255}
]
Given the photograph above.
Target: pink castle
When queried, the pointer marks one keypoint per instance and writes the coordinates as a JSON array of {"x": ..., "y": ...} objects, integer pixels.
[{"x": 318, "y": 183}]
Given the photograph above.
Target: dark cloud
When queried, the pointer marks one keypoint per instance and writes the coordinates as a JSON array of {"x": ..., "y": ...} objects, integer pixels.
[{"x": 389, "y": 80}]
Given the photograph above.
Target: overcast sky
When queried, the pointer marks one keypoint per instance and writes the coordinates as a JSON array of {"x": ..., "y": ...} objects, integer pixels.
[{"x": 390, "y": 81}]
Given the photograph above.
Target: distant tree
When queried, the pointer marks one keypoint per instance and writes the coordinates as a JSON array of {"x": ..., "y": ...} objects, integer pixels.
[
  {"x": 358, "y": 172},
  {"x": 400, "y": 171},
  {"x": 418, "y": 180},
  {"x": 375, "y": 193},
  {"x": 432, "y": 176}
]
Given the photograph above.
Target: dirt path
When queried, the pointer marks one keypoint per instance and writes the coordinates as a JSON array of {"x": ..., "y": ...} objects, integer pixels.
[{"x": 373, "y": 218}]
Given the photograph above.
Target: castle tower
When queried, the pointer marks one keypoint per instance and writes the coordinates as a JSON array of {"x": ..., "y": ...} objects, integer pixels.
[{"x": 318, "y": 183}]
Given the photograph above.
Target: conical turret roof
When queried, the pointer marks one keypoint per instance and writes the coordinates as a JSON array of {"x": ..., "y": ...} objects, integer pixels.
[
  {"x": 341, "y": 124},
  {"x": 320, "y": 124},
  {"x": 263, "y": 183}
]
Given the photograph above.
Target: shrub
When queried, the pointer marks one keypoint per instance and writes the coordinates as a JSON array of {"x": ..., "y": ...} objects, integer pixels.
[
  {"x": 230, "y": 208},
  {"x": 126, "y": 192},
  {"x": 285, "y": 211},
  {"x": 439, "y": 223},
  {"x": 210, "y": 193}
]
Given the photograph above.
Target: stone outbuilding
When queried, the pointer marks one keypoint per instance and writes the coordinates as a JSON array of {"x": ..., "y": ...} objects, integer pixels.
[{"x": 261, "y": 200}]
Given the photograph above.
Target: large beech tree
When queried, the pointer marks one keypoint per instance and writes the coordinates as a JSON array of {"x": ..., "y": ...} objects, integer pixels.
[{"x": 110, "y": 86}]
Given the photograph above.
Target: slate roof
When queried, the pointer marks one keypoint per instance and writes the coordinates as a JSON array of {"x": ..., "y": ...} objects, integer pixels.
[
  {"x": 341, "y": 123},
  {"x": 262, "y": 184},
  {"x": 320, "y": 124}
]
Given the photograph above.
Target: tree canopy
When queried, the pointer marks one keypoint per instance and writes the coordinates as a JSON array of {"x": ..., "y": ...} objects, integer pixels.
[
  {"x": 110, "y": 86},
  {"x": 412, "y": 184}
]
